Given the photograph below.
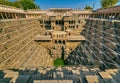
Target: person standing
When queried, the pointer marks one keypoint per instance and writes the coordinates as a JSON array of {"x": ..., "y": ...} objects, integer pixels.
[{"x": 113, "y": 17}]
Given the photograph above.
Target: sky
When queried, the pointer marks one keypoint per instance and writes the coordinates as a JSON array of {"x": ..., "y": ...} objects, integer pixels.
[{"x": 46, "y": 4}]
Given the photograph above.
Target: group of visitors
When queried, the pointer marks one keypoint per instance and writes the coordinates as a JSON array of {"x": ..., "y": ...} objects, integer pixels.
[{"x": 111, "y": 17}]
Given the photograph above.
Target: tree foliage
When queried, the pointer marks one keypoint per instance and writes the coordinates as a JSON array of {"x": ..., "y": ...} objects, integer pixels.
[
  {"x": 88, "y": 7},
  {"x": 108, "y": 3},
  {"x": 5, "y": 2},
  {"x": 17, "y": 4},
  {"x": 24, "y": 4},
  {"x": 28, "y": 4}
]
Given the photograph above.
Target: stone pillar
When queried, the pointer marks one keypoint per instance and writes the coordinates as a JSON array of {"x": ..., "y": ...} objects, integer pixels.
[
  {"x": 57, "y": 41},
  {"x": 13, "y": 15},
  {"x": 2, "y": 15},
  {"x": 26, "y": 16},
  {"x": 6, "y": 15},
  {"x": 118, "y": 16},
  {"x": 104, "y": 15},
  {"x": 115, "y": 14},
  {"x": 108, "y": 15},
  {"x": 19, "y": 15},
  {"x": 10, "y": 15}
]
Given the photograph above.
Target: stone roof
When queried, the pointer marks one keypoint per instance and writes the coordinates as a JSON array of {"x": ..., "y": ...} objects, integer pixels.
[
  {"x": 41, "y": 37},
  {"x": 69, "y": 30},
  {"x": 59, "y": 32},
  {"x": 75, "y": 38},
  {"x": 4, "y": 8},
  {"x": 113, "y": 9}
]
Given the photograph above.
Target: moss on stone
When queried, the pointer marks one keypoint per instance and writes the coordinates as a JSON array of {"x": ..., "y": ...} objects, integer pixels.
[{"x": 59, "y": 62}]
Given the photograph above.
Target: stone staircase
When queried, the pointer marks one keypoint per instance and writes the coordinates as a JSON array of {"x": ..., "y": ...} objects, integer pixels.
[{"x": 66, "y": 74}]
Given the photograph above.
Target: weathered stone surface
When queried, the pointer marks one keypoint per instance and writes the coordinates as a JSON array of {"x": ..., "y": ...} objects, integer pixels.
[{"x": 17, "y": 41}]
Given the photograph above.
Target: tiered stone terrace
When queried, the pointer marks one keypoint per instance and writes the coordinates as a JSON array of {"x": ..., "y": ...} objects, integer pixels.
[
  {"x": 102, "y": 44},
  {"x": 17, "y": 43},
  {"x": 24, "y": 60},
  {"x": 67, "y": 74}
]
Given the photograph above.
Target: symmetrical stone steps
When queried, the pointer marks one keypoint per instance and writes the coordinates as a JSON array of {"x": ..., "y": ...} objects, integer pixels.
[
  {"x": 17, "y": 40},
  {"x": 72, "y": 74},
  {"x": 39, "y": 58},
  {"x": 101, "y": 46}
]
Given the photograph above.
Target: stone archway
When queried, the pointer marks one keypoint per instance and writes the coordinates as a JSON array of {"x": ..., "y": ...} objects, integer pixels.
[
  {"x": 63, "y": 41},
  {"x": 55, "y": 41},
  {"x": 59, "y": 42}
]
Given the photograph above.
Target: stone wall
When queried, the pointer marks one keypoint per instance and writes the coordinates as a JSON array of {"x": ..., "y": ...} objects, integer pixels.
[
  {"x": 17, "y": 43},
  {"x": 102, "y": 45}
]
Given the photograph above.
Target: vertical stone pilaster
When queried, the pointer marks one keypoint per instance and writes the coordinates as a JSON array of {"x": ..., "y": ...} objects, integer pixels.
[
  {"x": 6, "y": 15},
  {"x": 2, "y": 15},
  {"x": 12, "y": 15},
  {"x": 15, "y": 15}
]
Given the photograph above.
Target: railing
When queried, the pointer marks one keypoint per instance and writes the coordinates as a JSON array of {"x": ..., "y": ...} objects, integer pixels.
[{"x": 4, "y": 8}]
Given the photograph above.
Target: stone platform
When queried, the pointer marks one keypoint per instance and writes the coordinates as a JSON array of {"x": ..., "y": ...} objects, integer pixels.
[{"x": 66, "y": 74}]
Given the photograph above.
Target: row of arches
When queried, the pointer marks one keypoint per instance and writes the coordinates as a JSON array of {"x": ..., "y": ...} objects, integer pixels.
[
  {"x": 5, "y": 15},
  {"x": 12, "y": 15},
  {"x": 59, "y": 41}
]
